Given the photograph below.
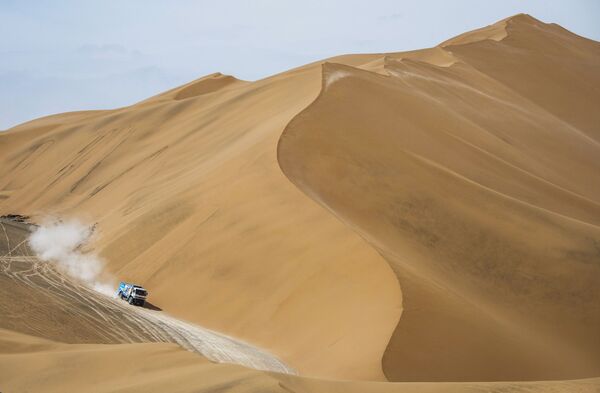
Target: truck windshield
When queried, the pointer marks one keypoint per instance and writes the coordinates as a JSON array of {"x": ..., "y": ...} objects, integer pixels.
[{"x": 141, "y": 292}]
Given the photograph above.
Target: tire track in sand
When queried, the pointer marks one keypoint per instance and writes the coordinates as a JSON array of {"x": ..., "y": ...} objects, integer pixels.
[{"x": 114, "y": 321}]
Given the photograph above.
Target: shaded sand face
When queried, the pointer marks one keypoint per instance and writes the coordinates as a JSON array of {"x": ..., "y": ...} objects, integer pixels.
[
  {"x": 479, "y": 182},
  {"x": 431, "y": 216}
]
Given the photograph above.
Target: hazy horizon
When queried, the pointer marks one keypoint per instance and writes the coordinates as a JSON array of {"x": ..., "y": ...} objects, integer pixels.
[{"x": 68, "y": 56}]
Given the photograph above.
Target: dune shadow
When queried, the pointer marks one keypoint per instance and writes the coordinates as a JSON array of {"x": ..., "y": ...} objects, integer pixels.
[{"x": 151, "y": 306}]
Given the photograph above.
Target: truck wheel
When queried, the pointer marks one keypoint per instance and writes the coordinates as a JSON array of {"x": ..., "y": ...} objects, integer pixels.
[
  {"x": 130, "y": 300},
  {"x": 142, "y": 303}
]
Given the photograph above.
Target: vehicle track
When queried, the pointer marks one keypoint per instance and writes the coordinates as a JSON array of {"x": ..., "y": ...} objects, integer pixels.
[{"x": 113, "y": 321}]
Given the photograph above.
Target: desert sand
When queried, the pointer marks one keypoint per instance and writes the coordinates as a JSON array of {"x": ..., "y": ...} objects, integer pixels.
[
  {"x": 29, "y": 364},
  {"x": 414, "y": 221},
  {"x": 479, "y": 183}
]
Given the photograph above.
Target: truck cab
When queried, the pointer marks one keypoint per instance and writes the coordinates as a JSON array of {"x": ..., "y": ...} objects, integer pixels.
[{"x": 134, "y": 294}]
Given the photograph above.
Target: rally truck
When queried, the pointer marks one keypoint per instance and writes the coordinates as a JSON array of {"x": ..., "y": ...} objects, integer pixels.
[{"x": 134, "y": 294}]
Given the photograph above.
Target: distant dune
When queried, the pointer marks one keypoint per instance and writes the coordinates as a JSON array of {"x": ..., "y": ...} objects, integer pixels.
[{"x": 424, "y": 216}]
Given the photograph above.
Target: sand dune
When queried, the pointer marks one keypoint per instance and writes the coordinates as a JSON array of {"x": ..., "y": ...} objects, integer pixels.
[
  {"x": 117, "y": 368},
  {"x": 60, "y": 309},
  {"x": 163, "y": 367},
  {"x": 482, "y": 193},
  {"x": 428, "y": 216},
  {"x": 190, "y": 200}
]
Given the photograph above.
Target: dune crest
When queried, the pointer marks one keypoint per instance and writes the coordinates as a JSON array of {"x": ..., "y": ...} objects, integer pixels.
[
  {"x": 437, "y": 56},
  {"x": 206, "y": 85},
  {"x": 190, "y": 201},
  {"x": 480, "y": 188}
]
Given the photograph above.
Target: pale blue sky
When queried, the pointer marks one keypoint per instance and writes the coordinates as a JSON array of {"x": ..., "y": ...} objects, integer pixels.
[{"x": 59, "y": 56}]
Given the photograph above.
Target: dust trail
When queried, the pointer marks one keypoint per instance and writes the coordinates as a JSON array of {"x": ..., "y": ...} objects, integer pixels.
[
  {"x": 60, "y": 242},
  {"x": 62, "y": 308}
]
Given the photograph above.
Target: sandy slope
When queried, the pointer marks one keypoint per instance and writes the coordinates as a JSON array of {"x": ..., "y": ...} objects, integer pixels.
[
  {"x": 116, "y": 368},
  {"x": 479, "y": 181},
  {"x": 68, "y": 312},
  {"x": 190, "y": 201},
  {"x": 45, "y": 302},
  {"x": 48, "y": 304},
  {"x": 466, "y": 172},
  {"x": 98, "y": 368}
]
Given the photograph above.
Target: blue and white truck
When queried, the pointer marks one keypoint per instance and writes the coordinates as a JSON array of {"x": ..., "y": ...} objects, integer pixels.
[{"x": 134, "y": 294}]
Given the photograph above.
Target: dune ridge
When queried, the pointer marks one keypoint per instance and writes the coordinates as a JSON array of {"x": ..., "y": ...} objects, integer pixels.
[
  {"x": 480, "y": 188},
  {"x": 189, "y": 199}
]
